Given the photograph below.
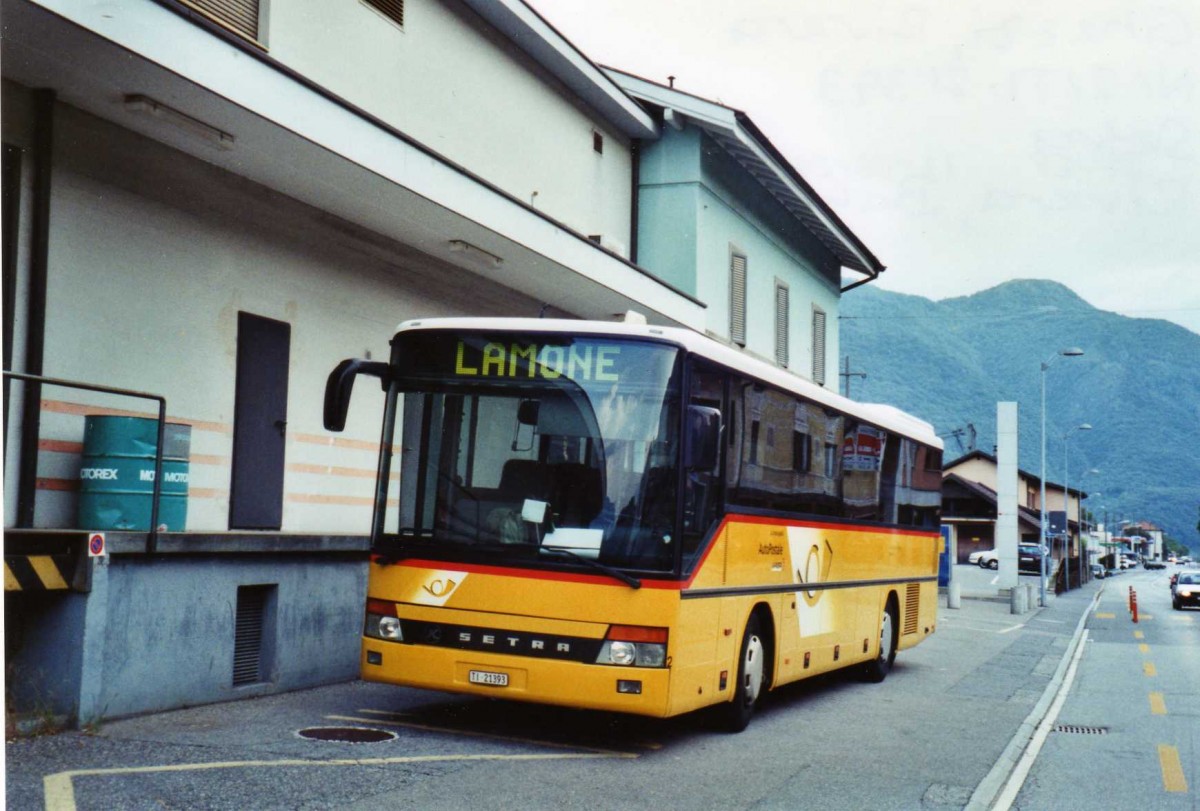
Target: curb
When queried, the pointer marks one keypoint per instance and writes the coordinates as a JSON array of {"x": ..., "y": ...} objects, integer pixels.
[{"x": 991, "y": 785}]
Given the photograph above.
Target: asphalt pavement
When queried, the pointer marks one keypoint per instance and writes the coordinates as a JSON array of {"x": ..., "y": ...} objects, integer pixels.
[{"x": 953, "y": 721}]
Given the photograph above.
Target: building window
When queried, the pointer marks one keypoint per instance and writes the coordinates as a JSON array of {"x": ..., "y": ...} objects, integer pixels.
[
  {"x": 239, "y": 16},
  {"x": 737, "y": 299},
  {"x": 818, "y": 346},
  {"x": 781, "y": 323},
  {"x": 392, "y": 9}
]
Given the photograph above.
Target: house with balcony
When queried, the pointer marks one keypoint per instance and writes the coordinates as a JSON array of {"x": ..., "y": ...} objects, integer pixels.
[{"x": 969, "y": 506}]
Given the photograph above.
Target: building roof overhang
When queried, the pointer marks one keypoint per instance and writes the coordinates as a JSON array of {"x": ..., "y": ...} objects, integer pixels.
[
  {"x": 530, "y": 32},
  {"x": 294, "y": 137},
  {"x": 737, "y": 134}
]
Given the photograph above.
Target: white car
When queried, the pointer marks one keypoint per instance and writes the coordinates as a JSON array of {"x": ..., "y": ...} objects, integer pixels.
[{"x": 985, "y": 559}]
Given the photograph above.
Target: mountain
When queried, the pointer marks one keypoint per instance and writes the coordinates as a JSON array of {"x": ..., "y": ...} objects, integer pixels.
[{"x": 1137, "y": 384}]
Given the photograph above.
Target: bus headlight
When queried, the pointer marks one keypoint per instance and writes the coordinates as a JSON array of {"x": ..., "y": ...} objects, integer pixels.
[
  {"x": 635, "y": 646},
  {"x": 382, "y": 622}
]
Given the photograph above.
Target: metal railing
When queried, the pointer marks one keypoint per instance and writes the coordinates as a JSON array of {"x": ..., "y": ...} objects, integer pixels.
[{"x": 152, "y": 538}]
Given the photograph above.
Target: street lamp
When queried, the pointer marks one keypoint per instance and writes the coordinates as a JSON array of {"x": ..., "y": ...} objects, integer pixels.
[
  {"x": 1073, "y": 352},
  {"x": 1067, "y": 512}
]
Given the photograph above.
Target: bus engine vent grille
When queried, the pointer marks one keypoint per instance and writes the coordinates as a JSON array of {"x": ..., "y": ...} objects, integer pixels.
[{"x": 912, "y": 607}]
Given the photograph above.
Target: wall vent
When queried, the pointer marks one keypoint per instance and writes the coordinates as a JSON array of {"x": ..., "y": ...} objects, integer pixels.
[{"x": 251, "y": 650}]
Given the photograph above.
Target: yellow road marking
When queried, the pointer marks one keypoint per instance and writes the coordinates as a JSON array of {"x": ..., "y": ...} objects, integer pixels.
[
  {"x": 1138, "y": 635},
  {"x": 60, "y": 792},
  {"x": 1105, "y": 615},
  {"x": 488, "y": 735},
  {"x": 1145, "y": 617},
  {"x": 1144, "y": 648},
  {"x": 1158, "y": 705},
  {"x": 1172, "y": 768},
  {"x": 1149, "y": 669}
]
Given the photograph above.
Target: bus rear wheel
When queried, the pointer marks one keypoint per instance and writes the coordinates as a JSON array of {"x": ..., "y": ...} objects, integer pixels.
[
  {"x": 877, "y": 669},
  {"x": 735, "y": 715}
]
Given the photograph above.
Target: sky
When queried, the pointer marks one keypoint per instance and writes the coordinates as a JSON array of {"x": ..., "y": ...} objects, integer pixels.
[{"x": 966, "y": 144}]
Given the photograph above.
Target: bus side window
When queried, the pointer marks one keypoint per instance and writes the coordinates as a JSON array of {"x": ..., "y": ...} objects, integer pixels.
[{"x": 702, "y": 488}]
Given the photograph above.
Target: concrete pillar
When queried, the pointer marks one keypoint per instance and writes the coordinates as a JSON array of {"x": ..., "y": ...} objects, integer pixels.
[
  {"x": 1007, "y": 479},
  {"x": 92, "y": 643}
]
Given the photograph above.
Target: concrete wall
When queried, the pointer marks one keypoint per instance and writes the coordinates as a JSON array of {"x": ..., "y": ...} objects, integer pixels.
[
  {"x": 152, "y": 256},
  {"x": 157, "y": 634},
  {"x": 451, "y": 82}
]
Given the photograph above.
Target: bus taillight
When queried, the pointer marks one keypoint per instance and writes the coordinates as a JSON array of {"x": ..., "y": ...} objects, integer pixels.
[{"x": 634, "y": 645}]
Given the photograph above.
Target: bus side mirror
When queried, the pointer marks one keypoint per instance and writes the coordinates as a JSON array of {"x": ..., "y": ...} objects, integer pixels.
[
  {"x": 341, "y": 383},
  {"x": 702, "y": 443}
]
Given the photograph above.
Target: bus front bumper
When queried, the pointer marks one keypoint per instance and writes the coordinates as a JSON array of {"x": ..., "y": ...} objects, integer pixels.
[{"x": 636, "y": 690}]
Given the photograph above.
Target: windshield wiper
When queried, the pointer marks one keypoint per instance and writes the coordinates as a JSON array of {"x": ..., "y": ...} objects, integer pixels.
[{"x": 617, "y": 574}]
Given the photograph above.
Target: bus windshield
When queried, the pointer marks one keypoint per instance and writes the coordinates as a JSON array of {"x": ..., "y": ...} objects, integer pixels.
[{"x": 520, "y": 446}]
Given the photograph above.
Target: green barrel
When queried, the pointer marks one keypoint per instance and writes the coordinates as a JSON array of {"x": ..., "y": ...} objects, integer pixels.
[{"x": 117, "y": 475}]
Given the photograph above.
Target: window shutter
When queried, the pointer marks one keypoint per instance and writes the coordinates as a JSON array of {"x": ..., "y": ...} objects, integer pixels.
[
  {"x": 392, "y": 9},
  {"x": 240, "y": 16},
  {"x": 818, "y": 343},
  {"x": 737, "y": 299},
  {"x": 781, "y": 324}
]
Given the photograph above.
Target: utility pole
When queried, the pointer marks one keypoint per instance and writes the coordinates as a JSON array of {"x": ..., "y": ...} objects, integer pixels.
[{"x": 846, "y": 374}]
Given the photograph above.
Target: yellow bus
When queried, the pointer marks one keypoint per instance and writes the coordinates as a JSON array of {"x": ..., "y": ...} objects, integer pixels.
[{"x": 634, "y": 518}]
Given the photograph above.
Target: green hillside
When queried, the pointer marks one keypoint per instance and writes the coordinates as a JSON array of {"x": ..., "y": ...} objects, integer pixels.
[{"x": 1137, "y": 385}]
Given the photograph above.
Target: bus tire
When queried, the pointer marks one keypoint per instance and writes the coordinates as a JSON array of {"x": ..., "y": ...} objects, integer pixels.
[
  {"x": 734, "y": 716},
  {"x": 877, "y": 669}
]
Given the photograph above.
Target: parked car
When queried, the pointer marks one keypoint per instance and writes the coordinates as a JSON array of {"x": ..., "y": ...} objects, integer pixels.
[
  {"x": 1098, "y": 571},
  {"x": 1186, "y": 590},
  {"x": 985, "y": 559},
  {"x": 1028, "y": 559}
]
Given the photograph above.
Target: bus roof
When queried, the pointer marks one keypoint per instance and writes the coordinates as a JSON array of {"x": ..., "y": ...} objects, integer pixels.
[{"x": 883, "y": 416}]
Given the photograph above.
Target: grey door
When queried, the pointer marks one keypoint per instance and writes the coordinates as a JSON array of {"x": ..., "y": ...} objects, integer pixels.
[{"x": 259, "y": 423}]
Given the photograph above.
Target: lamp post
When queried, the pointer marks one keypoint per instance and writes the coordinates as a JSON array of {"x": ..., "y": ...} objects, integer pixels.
[
  {"x": 1067, "y": 511},
  {"x": 1073, "y": 352}
]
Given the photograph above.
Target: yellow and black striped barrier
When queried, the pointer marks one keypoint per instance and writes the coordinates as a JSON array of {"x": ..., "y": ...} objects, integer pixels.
[{"x": 39, "y": 572}]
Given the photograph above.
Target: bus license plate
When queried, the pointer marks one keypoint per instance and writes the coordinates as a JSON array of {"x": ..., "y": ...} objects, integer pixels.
[{"x": 490, "y": 679}]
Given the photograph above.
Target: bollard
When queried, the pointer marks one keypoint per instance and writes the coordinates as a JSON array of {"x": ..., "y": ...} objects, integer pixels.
[
  {"x": 1017, "y": 600},
  {"x": 1133, "y": 603},
  {"x": 1030, "y": 600},
  {"x": 954, "y": 595}
]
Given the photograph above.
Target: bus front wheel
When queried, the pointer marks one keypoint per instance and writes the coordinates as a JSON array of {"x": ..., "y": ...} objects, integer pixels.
[
  {"x": 877, "y": 669},
  {"x": 735, "y": 715}
]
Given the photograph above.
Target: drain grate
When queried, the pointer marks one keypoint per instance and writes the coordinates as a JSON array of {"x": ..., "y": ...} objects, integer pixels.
[
  {"x": 346, "y": 734},
  {"x": 1071, "y": 729}
]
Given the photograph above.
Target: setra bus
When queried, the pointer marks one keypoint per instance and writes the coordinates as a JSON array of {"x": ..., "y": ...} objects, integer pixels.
[{"x": 634, "y": 518}]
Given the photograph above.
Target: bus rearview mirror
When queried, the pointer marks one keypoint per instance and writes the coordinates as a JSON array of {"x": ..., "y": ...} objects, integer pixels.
[{"x": 340, "y": 384}]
